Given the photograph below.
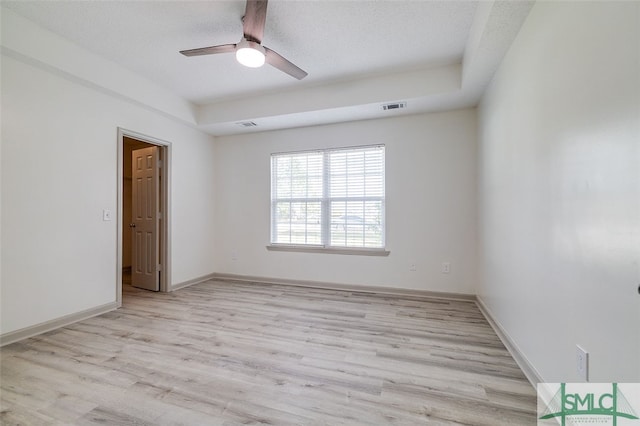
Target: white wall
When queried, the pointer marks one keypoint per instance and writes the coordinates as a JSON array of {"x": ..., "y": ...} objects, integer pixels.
[
  {"x": 560, "y": 190},
  {"x": 59, "y": 171},
  {"x": 430, "y": 205}
]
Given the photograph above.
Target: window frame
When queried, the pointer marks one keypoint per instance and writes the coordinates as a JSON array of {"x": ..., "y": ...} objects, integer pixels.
[{"x": 325, "y": 207}]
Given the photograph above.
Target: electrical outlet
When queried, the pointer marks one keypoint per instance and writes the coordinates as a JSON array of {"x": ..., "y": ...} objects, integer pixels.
[
  {"x": 412, "y": 267},
  {"x": 234, "y": 255},
  {"x": 106, "y": 215},
  {"x": 446, "y": 267},
  {"x": 582, "y": 363}
]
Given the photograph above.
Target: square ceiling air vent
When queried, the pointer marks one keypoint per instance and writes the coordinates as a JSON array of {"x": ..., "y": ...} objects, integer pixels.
[
  {"x": 246, "y": 124},
  {"x": 394, "y": 105}
]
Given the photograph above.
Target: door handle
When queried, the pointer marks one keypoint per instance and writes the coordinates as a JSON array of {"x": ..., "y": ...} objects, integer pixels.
[{"x": 132, "y": 225}]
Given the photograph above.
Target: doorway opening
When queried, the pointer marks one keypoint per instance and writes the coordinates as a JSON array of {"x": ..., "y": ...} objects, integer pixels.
[{"x": 143, "y": 213}]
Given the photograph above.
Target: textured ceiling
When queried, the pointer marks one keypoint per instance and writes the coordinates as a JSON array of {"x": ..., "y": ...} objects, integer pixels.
[
  {"x": 331, "y": 40},
  {"x": 432, "y": 54}
]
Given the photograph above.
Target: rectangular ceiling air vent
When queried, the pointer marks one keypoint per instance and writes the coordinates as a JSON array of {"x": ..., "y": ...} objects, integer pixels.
[
  {"x": 246, "y": 124},
  {"x": 394, "y": 105}
]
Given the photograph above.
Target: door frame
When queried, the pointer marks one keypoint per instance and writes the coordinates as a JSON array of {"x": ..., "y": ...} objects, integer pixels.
[{"x": 164, "y": 149}]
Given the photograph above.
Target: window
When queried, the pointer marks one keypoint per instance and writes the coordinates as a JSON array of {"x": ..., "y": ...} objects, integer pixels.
[{"x": 328, "y": 198}]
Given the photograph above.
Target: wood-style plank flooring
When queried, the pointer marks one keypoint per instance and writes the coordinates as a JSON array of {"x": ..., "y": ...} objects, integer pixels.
[{"x": 221, "y": 353}]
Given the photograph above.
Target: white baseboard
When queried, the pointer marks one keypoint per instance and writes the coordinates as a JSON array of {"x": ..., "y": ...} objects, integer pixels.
[
  {"x": 525, "y": 365},
  {"x": 34, "y": 330},
  {"x": 520, "y": 358},
  {"x": 346, "y": 287},
  {"x": 193, "y": 281}
]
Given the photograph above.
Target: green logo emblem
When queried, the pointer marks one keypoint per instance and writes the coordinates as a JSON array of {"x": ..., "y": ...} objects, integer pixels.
[{"x": 592, "y": 401}]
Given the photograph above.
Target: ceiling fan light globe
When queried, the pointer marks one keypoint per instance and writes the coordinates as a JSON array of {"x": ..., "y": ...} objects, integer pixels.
[{"x": 250, "y": 54}]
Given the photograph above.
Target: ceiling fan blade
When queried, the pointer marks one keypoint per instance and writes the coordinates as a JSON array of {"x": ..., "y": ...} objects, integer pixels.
[
  {"x": 253, "y": 22},
  {"x": 223, "y": 48},
  {"x": 275, "y": 59}
]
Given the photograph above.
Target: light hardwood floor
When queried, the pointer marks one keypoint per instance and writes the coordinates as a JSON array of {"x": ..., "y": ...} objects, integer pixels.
[{"x": 221, "y": 353}]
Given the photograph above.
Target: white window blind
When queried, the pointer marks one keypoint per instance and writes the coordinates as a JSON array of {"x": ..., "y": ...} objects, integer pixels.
[{"x": 328, "y": 198}]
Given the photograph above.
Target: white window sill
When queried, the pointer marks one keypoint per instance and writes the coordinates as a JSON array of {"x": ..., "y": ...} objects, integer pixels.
[{"x": 330, "y": 250}]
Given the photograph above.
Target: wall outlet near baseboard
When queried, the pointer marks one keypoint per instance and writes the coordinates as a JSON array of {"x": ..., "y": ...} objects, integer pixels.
[
  {"x": 412, "y": 267},
  {"x": 582, "y": 363},
  {"x": 446, "y": 267}
]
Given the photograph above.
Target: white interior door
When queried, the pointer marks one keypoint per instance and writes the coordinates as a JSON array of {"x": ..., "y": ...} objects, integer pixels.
[{"x": 145, "y": 219}]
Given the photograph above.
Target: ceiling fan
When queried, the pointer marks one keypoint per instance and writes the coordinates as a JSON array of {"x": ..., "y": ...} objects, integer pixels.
[{"x": 249, "y": 51}]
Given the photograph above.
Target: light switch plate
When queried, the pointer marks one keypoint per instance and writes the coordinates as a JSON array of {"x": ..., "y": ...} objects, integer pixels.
[{"x": 106, "y": 215}]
